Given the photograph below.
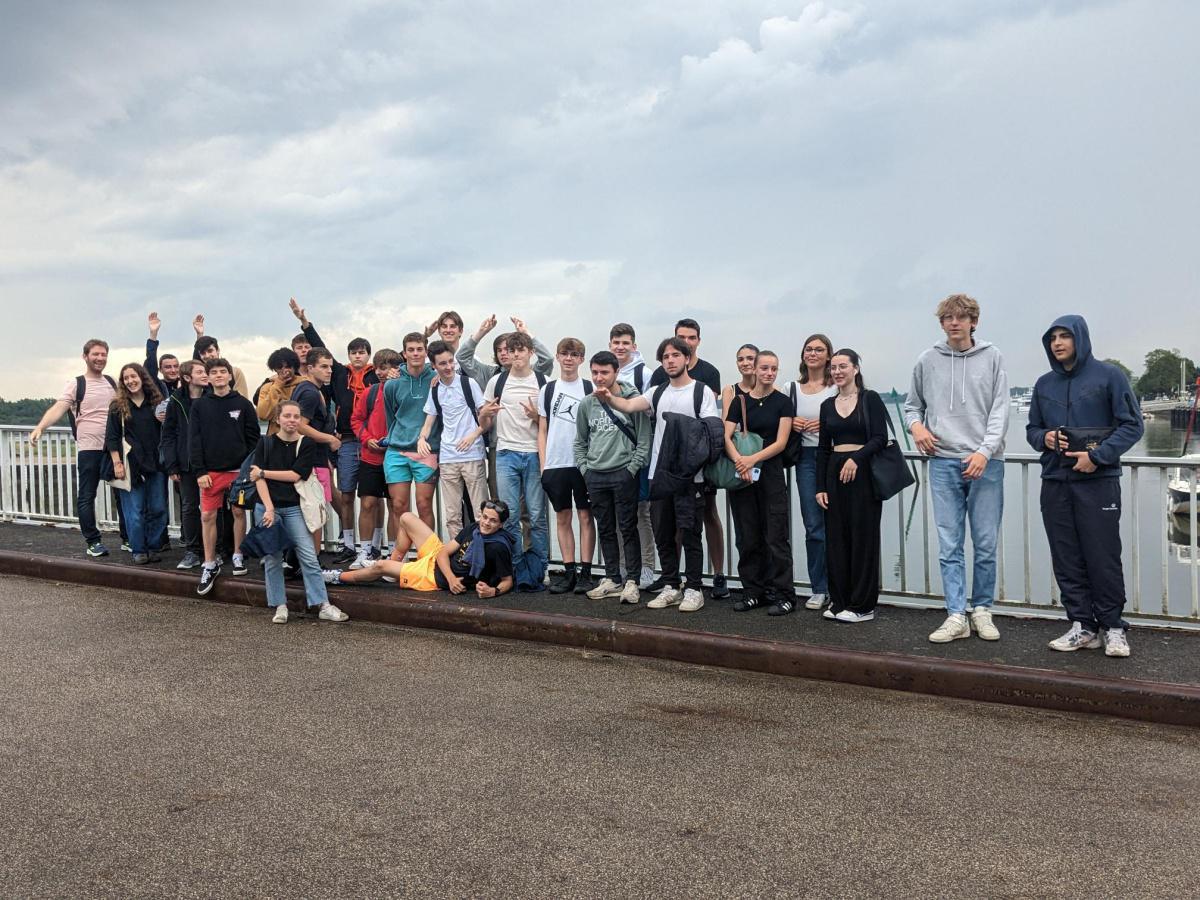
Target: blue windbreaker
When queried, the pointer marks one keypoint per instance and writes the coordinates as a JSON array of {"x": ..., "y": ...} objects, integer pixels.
[{"x": 1092, "y": 394}]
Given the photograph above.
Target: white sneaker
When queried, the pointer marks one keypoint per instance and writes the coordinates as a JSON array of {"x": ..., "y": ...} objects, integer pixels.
[
  {"x": 956, "y": 626},
  {"x": 280, "y": 617},
  {"x": 331, "y": 613},
  {"x": 847, "y": 615},
  {"x": 1115, "y": 643},
  {"x": 631, "y": 593},
  {"x": 331, "y": 576},
  {"x": 668, "y": 596},
  {"x": 606, "y": 588},
  {"x": 981, "y": 620},
  {"x": 816, "y": 601},
  {"x": 692, "y": 600},
  {"x": 362, "y": 561},
  {"x": 647, "y": 578},
  {"x": 1078, "y": 638}
]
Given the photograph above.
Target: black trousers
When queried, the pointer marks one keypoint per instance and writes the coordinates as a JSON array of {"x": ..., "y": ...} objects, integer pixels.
[
  {"x": 189, "y": 512},
  {"x": 682, "y": 514},
  {"x": 614, "y": 497},
  {"x": 88, "y": 464},
  {"x": 852, "y": 539},
  {"x": 763, "y": 534},
  {"x": 1083, "y": 527}
]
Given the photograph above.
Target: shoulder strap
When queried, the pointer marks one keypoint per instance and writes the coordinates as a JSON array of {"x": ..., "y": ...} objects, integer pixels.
[
  {"x": 639, "y": 377},
  {"x": 468, "y": 396},
  {"x": 742, "y": 400},
  {"x": 698, "y": 396},
  {"x": 549, "y": 397},
  {"x": 625, "y": 429},
  {"x": 501, "y": 380},
  {"x": 657, "y": 396},
  {"x": 588, "y": 387},
  {"x": 373, "y": 396},
  {"x": 80, "y": 390},
  {"x": 110, "y": 381},
  {"x": 541, "y": 379},
  {"x": 437, "y": 401}
]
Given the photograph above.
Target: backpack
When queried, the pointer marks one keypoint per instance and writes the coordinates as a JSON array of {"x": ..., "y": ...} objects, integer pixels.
[
  {"x": 503, "y": 380},
  {"x": 243, "y": 492},
  {"x": 465, "y": 381},
  {"x": 587, "y": 389},
  {"x": 372, "y": 396},
  {"x": 639, "y": 377},
  {"x": 80, "y": 390},
  {"x": 698, "y": 398}
]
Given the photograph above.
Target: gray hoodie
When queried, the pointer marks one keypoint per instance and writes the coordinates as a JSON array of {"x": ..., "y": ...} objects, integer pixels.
[{"x": 962, "y": 398}]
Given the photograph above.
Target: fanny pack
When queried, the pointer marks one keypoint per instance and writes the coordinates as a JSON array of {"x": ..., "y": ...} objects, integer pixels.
[{"x": 1084, "y": 439}]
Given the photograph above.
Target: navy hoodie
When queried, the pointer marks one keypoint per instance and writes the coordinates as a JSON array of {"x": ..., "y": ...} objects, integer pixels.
[{"x": 1093, "y": 394}]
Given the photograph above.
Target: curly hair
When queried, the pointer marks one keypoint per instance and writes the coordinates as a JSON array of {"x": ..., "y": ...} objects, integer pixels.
[{"x": 150, "y": 392}]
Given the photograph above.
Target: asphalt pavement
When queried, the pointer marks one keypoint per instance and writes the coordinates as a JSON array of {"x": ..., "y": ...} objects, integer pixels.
[{"x": 153, "y": 746}]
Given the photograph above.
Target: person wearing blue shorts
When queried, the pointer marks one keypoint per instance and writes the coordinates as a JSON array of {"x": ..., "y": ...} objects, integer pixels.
[{"x": 404, "y": 409}]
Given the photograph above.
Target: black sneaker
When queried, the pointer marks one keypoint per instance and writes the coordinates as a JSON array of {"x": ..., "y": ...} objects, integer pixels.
[
  {"x": 208, "y": 577},
  {"x": 344, "y": 556},
  {"x": 720, "y": 590},
  {"x": 141, "y": 559},
  {"x": 746, "y": 604},
  {"x": 782, "y": 606},
  {"x": 239, "y": 565},
  {"x": 565, "y": 583},
  {"x": 584, "y": 583},
  {"x": 657, "y": 585},
  {"x": 97, "y": 549}
]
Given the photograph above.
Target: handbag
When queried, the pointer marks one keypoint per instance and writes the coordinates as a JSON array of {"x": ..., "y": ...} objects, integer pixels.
[
  {"x": 890, "y": 472},
  {"x": 1081, "y": 438},
  {"x": 723, "y": 473},
  {"x": 795, "y": 446}
]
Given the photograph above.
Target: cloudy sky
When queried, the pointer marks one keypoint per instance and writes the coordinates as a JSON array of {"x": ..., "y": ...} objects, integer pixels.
[{"x": 769, "y": 168}]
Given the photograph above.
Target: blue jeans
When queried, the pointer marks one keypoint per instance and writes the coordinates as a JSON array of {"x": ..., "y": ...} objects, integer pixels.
[
  {"x": 145, "y": 509},
  {"x": 955, "y": 500},
  {"x": 517, "y": 477},
  {"x": 814, "y": 520},
  {"x": 291, "y": 518}
]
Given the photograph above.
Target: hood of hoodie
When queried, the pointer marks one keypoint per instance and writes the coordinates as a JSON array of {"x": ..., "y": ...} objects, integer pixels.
[{"x": 1083, "y": 344}]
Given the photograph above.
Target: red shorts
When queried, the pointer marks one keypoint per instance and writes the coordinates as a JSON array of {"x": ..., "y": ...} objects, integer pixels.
[{"x": 213, "y": 498}]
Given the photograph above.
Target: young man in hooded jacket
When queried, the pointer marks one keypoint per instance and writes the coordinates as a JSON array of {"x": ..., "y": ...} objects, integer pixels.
[{"x": 1084, "y": 401}]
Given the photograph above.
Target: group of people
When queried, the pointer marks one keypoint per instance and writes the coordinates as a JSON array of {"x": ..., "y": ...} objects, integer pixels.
[{"x": 619, "y": 449}]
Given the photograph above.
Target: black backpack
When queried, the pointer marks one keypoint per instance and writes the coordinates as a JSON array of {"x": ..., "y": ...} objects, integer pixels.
[
  {"x": 503, "y": 380},
  {"x": 465, "y": 381},
  {"x": 80, "y": 390},
  {"x": 587, "y": 389},
  {"x": 698, "y": 399}
]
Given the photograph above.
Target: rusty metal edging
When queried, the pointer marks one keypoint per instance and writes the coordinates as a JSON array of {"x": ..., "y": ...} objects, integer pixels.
[{"x": 1164, "y": 703}]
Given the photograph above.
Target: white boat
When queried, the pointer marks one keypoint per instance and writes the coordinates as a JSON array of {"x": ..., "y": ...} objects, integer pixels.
[{"x": 1180, "y": 487}]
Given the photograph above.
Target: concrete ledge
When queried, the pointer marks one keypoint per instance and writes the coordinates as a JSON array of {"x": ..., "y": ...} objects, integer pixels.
[{"x": 1172, "y": 704}]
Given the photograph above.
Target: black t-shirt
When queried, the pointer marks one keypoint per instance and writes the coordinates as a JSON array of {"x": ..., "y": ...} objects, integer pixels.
[
  {"x": 703, "y": 372},
  {"x": 275, "y": 454},
  {"x": 497, "y": 563},
  {"x": 764, "y": 414},
  {"x": 314, "y": 406}
]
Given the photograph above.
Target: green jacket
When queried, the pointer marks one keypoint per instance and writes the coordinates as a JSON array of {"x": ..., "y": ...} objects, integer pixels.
[{"x": 603, "y": 447}]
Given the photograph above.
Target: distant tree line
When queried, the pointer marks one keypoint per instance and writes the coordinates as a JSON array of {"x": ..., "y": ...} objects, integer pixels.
[
  {"x": 24, "y": 412},
  {"x": 1161, "y": 374}
]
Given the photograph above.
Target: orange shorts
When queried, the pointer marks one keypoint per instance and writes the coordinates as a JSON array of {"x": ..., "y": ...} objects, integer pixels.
[
  {"x": 418, "y": 575},
  {"x": 213, "y": 498}
]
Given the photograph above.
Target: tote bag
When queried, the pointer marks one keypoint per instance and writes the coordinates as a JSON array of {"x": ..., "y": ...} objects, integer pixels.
[{"x": 723, "y": 473}]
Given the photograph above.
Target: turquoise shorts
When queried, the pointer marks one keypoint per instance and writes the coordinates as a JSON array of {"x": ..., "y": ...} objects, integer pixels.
[{"x": 399, "y": 467}]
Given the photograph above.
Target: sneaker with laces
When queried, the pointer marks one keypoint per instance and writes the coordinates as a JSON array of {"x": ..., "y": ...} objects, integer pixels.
[
  {"x": 692, "y": 600},
  {"x": 956, "y": 626},
  {"x": 126, "y": 547},
  {"x": 720, "y": 588},
  {"x": 1115, "y": 642},
  {"x": 362, "y": 561},
  {"x": 816, "y": 601},
  {"x": 97, "y": 549},
  {"x": 981, "y": 621},
  {"x": 631, "y": 593},
  {"x": 1078, "y": 638},
  {"x": 606, "y": 588},
  {"x": 239, "y": 564},
  {"x": 782, "y": 606},
  {"x": 332, "y": 576},
  {"x": 331, "y": 613},
  {"x": 280, "y": 617},
  {"x": 668, "y": 596},
  {"x": 647, "y": 578},
  {"x": 208, "y": 577},
  {"x": 190, "y": 561},
  {"x": 853, "y": 618}
]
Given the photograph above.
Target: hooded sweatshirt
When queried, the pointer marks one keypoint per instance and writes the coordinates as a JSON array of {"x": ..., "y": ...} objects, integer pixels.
[
  {"x": 222, "y": 431},
  {"x": 1091, "y": 394},
  {"x": 962, "y": 397},
  {"x": 601, "y": 445},
  {"x": 404, "y": 403},
  {"x": 630, "y": 372}
]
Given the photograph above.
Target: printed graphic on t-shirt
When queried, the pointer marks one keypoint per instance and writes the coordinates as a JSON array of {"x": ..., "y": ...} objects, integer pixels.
[{"x": 235, "y": 414}]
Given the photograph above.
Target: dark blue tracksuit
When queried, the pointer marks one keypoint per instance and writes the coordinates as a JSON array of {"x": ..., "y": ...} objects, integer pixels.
[{"x": 1082, "y": 511}]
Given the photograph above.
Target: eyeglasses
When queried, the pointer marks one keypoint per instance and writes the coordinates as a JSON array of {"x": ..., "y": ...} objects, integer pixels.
[
  {"x": 817, "y": 349},
  {"x": 573, "y": 353}
]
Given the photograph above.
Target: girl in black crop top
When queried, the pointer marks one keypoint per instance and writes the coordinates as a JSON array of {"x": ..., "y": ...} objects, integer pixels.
[{"x": 846, "y": 493}]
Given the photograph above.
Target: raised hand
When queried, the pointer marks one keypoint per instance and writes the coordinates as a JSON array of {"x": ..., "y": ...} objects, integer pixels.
[
  {"x": 298, "y": 312},
  {"x": 198, "y": 325},
  {"x": 155, "y": 323},
  {"x": 519, "y": 324}
]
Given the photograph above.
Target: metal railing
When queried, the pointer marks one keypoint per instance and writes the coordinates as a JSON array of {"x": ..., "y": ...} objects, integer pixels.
[{"x": 1161, "y": 562}]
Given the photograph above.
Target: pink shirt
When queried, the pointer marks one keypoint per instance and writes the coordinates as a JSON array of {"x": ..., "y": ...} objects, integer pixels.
[{"x": 92, "y": 417}]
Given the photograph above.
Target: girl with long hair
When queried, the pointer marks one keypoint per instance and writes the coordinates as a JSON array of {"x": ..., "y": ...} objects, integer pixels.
[
  {"x": 132, "y": 423},
  {"x": 811, "y": 389}
]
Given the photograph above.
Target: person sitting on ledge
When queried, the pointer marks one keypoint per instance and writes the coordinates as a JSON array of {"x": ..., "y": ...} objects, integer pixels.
[{"x": 479, "y": 559}]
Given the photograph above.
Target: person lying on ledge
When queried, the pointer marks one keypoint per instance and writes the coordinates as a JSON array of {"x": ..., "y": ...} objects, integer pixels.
[{"x": 479, "y": 559}]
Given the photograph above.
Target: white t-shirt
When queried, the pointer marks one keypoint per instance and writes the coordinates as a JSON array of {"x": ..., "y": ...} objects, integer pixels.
[
  {"x": 91, "y": 420},
  {"x": 678, "y": 400},
  {"x": 457, "y": 421},
  {"x": 809, "y": 406},
  {"x": 514, "y": 429},
  {"x": 560, "y": 427}
]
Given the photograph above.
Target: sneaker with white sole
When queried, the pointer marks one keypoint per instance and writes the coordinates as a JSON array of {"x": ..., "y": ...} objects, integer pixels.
[
  {"x": 364, "y": 560},
  {"x": 816, "y": 601},
  {"x": 331, "y": 613},
  {"x": 190, "y": 561},
  {"x": 606, "y": 588},
  {"x": 647, "y": 578},
  {"x": 1115, "y": 642},
  {"x": 981, "y": 621},
  {"x": 97, "y": 549},
  {"x": 956, "y": 626},
  {"x": 631, "y": 593},
  {"x": 668, "y": 596},
  {"x": 852, "y": 617},
  {"x": 332, "y": 576},
  {"x": 692, "y": 600},
  {"x": 280, "y": 617},
  {"x": 239, "y": 564},
  {"x": 208, "y": 578},
  {"x": 1078, "y": 638}
]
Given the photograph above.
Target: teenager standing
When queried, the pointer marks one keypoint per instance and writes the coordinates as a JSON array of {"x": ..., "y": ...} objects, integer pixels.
[
  {"x": 811, "y": 389},
  {"x": 132, "y": 422}
]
